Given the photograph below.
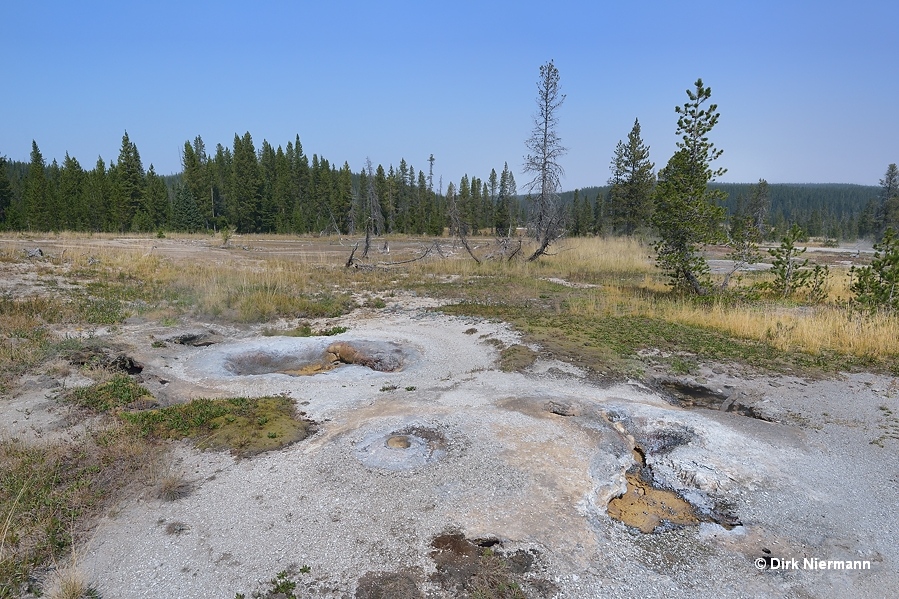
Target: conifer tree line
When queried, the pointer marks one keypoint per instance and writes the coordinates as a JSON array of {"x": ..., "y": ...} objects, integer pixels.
[
  {"x": 249, "y": 190},
  {"x": 281, "y": 190}
]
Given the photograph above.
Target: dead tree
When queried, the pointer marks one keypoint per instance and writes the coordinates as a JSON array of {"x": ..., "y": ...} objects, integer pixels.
[
  {"x": 374, "y": 219},
  {"x": 546, "y": 218}
]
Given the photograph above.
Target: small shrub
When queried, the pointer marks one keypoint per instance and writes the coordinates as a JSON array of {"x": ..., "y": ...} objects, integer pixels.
[
  {"x": 282, "y": 586},
  {"x": 876, "y": 287},
  {"x": 375, "y": 302},
  {"x": 226, "y": 236},
  {"x": 791, "y": 273},
  {"x": 172, "y": 487}
]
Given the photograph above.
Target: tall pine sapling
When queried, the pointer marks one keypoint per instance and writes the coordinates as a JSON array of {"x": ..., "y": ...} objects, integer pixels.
[
  {"x": 791, "y": 271},
  {"x": 688, "y": 215},
  {"x": 876, "y": 287}
]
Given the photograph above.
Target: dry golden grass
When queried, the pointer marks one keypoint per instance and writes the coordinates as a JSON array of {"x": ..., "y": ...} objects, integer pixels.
[
  {"x": 67, "y": 583},
  {"x": 602, "y": 256},
  {"x": 812, "y": 329},
  {"x": 287, "y": 276},
  {"x": 173, "y": 486}
]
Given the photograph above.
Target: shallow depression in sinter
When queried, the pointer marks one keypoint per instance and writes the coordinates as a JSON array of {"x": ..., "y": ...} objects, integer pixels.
[{"x": 402, "y": 449}]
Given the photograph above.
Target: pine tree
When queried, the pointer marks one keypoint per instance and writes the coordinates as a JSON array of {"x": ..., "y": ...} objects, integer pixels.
[
  {"x": 502, "y": 219},
  {"x": 342, "y": 200},
  {"x": 462, "y": 212},
  {"x": 36, "y": 198},
  {"x": 758, "y": 207},
  {"x": 888, "y": 208},
  {"x": 196, "y": 176},
  {"x": 157, "y": 204},
  {"x": 185, "y": 214},
  {"x": 268, "y": 176},
  {"x": 384, "y": 193},
  {"x": 633, "y": 180},
  {"x": 73, "y": 196},
  {"x": 129, "y": 185},
  {"x": 98, "y": 197},
  {"x": 283, "y": 189},
  {"x": 220, "y": 175},
  {"x": 424, "y": 205},
  {"x": 576, "y": 228},
  {"x": 58, "y": 212},
  {"x": 5, "y": 195},
  {"x": 243, "y": 208},
  {"x": 688, "y": 214}
]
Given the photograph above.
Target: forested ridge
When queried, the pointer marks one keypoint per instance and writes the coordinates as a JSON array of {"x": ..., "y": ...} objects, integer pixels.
[
  {"x": 282, "y": 190},
  {"x": 831, "y": 210}
]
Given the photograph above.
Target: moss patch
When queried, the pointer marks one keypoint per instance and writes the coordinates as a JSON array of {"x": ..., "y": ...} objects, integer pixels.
[
  {"x": 516, "y": 358},
  {"x": 242, "y": 425}
]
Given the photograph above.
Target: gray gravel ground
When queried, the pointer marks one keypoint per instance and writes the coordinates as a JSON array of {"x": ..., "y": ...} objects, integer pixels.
[{"x": 487, "y": 458}]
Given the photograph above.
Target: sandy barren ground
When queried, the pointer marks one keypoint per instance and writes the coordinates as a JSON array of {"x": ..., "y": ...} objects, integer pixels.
[{"x": 525, "y": 463}]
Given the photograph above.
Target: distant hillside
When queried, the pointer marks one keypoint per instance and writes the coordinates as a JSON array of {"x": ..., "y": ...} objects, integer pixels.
[{"x": 823, "y": 209}]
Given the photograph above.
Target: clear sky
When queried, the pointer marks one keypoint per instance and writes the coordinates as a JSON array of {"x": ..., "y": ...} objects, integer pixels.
[{"x": 808, "y": 91}]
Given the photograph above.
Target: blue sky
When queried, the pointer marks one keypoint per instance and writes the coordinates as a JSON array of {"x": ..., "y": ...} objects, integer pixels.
[{"x": 807, "y": 91}]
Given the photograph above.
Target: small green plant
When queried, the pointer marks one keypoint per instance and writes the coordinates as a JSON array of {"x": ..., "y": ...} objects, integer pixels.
[
  {"x": 117, "y": 392},
  {"x": 876, "y": 287},
  {"x": 226, "y": 236},
  {"x": 331, "y": 331},
  {"x": 282, "y": 586},
  {"x": 410, "y": 388},
  {"x": 680, "y": 365},
  {"x": 791, "y": 273},
  {"x": 389, "y": 387},
  {"x": 375, "y": 302},
  {"x": 818, "y": 283},
  {"x": 743, "y": 239}
]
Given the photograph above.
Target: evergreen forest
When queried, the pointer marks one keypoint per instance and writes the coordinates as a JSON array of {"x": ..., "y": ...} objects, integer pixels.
[{"x": 265, "y": 189}]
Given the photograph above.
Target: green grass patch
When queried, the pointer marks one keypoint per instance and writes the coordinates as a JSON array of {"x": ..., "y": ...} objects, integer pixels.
[
  {"x": 305, "y": 330},
  {"x": 49, "y": 492},
  {"x": 261, "y": 305},
  {"x": 610, "y": 344},
  {"x": 242, "y": 425},
  {"x": 118, "y": 392}
]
